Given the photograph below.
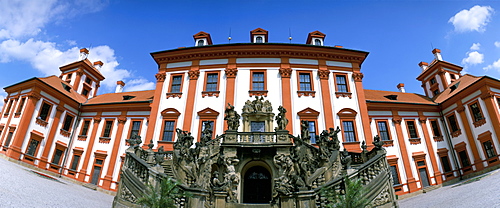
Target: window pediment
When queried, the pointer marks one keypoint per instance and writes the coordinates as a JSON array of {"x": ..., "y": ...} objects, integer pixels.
[
  {"x": 170, "y": 113},
  {"x": 208, "y": 113},
  {"x": 347, "y": 113},
  {"x": 308, "y": 113}
]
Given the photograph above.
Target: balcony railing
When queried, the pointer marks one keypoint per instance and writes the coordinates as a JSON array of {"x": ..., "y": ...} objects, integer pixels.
[{"x": 278, "y": 137}]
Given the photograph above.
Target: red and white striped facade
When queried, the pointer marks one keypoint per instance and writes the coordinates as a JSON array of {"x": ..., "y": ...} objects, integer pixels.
[{"x": 60, "y": 124}]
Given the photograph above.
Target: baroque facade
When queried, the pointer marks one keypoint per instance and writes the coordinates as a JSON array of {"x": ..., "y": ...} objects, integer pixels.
[{"x": 60, "y": 124}]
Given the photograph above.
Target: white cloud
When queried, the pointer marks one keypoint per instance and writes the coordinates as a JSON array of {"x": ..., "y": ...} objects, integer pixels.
[
  {"x": 2, "y": 96},
  {"x": 139, "y": 84},
  {"x": 474, "y": 19},
  {"x": 475, "y": 46},
  {"x": 473, "y": 58},
  {"x": 497, "y": 44},
  {"x": 22, "y": 20},
  {"x": 495, "y": 65},
  {"x": 27, "y": 18}
]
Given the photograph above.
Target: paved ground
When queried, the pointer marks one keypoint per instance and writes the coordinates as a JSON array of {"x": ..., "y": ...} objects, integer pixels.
[
  {"x": 20, "y": 187},
  {"x": 481, "y": 191}
]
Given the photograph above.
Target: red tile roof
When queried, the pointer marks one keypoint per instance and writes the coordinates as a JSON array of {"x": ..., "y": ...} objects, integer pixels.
[
  {"x": 137, "y": 96},
  {"x": 461, "y": 83},
  {"x": 400, "y": 97},
  {"x": 59, "y": 84}
]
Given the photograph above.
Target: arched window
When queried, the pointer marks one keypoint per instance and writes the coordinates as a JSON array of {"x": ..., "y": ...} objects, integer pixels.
[
  {"x": 258, "y": 39},
  {"x": 200, "y": 43},
  {"x": 317, "y": 42}
]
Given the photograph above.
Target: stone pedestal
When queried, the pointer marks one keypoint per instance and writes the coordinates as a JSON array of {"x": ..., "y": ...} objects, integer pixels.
[{"x": 220, "y": 198}]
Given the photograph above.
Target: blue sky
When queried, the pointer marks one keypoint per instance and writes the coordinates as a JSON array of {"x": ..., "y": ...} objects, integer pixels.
[{"x": 36, "y": 37}]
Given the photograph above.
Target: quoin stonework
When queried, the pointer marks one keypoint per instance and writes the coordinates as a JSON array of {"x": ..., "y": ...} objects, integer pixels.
[{"x": 249, "y": 109}]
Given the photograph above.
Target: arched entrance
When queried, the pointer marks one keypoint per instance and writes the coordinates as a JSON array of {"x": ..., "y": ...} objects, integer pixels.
[{"x": 257, "y": 185}]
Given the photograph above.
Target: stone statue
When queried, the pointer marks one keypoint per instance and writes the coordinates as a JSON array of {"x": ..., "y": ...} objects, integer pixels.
[
  {"x": 334, "y": 138},
  {"x": 217, "y": 185},
  {"x": 248, "y": 107},
  {"x": 346, "y": 159},
  {"x": 206, "y": 133},
  {"x": 232, "y": 179},
  {"x": 257, "y": 103},
  {"x": 134, "y": 141},
  {"x": 303, "y": 160},
  {"x": 304, "y": 129},
  {"x": 377, "y": 142},
  {"x": 281, "y": 119},
  {"x": 232, "y": 118},
  {"x": 268, "y": 108}
]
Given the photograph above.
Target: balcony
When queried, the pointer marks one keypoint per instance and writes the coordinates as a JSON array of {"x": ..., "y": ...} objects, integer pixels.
[{"x": 279, "y": 137}]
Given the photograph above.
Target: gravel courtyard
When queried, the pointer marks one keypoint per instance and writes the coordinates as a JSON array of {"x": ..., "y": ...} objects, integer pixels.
[
  {"x": 481, "y": 191},
  {"x": 20, "y": 187}
]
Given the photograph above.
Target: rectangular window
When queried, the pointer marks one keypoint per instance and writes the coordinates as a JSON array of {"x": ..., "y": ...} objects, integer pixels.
[
  {"x": 136, "y": 126},
  {"x": 9, "y": 106},
  {"x": 305, "y": 82},
  {"x": 212, "y": 80},
  {"x": 349, "y": 134},
  {"x": 68, "y": 78},
  {"x": 433, "y": 81},
  {"x": 76, "y": 160},
  {"x": 341, "y": 82},
  {"x": 258, "y": 81},
  {"x": 453, "y": 123},
  {"x": 312, "y": 131},
  {"x": 9, "y": 137},
  {"x": 32, "y": 147},
  {"x": 383, "y": 131},
  {"x": 168, "y": 131},
  {"x": 44, "y": 112},
  {"x": 446, "y": 164},
  {"x": 257, "y": 126},
  {"x": 464, "y": 159},
  {"x": 67, "y": 122},
  {"x": 435, "y": 128},
  {"x": 85, "y": 92},
  {"x": 175, "y": 87},
  {"x": 412, "y": 130},
  {"x": 210, "y": 125},
  {"x": 57, "y": 157},
  {"x": 107, "y": 128},
  {"x": 488, "y": 147},
  {"x": 88, "y": 80},
  {"x": 85, "y": 128},
  {"x": 21, "y": 104},
  {"x": 394, "y": 174},
  {"x": 476, "y": 112}
]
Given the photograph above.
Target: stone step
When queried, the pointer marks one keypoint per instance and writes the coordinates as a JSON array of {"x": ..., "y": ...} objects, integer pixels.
[
  {"x": 430, "y": 188},
  {"x": 250, "y": 206}
]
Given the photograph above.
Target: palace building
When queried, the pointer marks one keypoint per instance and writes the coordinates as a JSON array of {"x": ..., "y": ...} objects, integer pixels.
[{"x": 60, "y": 124}]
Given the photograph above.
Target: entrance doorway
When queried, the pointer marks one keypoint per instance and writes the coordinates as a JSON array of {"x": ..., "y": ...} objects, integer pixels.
[
  {"x": 422, "y": 170},
  {"x": 257, "y": 185}
]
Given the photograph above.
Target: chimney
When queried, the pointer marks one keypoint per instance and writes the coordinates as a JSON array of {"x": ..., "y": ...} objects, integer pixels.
[
  {"x": 84, "y": 53},
  {"x": 437, "y": 54},
  {"x": 98, "y": 65},
  {"x": 423, "y": 65},
  {"x": 401, "y": 87},
  {"x": 119, "y": 86}
]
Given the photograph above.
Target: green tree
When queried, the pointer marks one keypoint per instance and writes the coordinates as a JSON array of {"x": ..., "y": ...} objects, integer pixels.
[
  {"x": 353, "y": 197},
  {"x": 161, "y": 196}
]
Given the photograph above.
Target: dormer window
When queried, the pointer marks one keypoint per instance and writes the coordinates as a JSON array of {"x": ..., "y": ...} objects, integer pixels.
[
  {"x": 202, "y": 39},
  {"x": 259, "y": 39},
  {"x": 317, "y": 42},
  {"x": 200, "y": 43},
  {"x": 315, "y": 38}
]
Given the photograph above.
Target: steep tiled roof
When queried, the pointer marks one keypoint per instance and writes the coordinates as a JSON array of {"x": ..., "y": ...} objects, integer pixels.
[
  {"x": 59, "y": 85},
  {"x": 122, "y": 97},
  {"x": 396, "y": 97},
  {"x": 458, "y": 85}
]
